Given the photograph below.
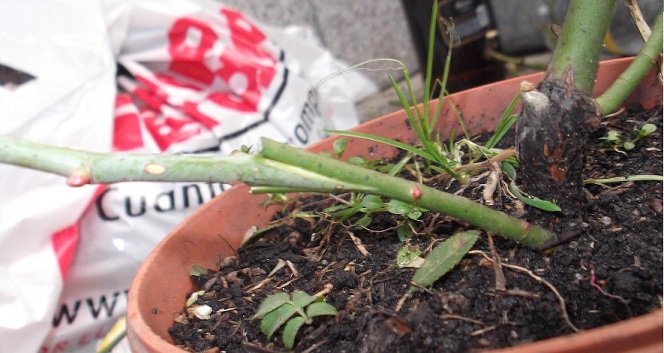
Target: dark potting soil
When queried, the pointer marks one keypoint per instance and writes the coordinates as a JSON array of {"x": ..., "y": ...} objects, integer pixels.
[{"x": 611, "y": 272}]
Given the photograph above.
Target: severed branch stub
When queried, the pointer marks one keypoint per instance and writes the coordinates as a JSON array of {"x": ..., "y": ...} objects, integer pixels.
[{"x": 552, "y": 134}]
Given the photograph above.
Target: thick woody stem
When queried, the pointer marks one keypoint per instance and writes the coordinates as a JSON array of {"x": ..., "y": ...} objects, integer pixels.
[{"x": 578, "y": 48}]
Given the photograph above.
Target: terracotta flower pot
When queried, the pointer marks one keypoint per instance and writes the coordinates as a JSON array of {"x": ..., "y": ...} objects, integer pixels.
[{"x": 161, "y": 284}]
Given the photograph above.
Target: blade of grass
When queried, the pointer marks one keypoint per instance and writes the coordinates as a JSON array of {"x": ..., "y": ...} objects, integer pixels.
[
  {"x": 446, "y": 72},
  {"x": 407, "y": 107},
  {"x": 625, "y": 179},
  {"x": 404, "y": 146},
  {"x": 398, "y": 167},
  {"x": 428, "y": 72},
  {"x": 506, "y": 122},
  {"x": 459, "y": 117},
  {"x": 528, "y": 200},
  {"x": 393, "y": 143}
]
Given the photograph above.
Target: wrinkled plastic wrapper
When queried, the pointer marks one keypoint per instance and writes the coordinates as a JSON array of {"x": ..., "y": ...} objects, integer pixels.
[{"x": 170, "y": 76}]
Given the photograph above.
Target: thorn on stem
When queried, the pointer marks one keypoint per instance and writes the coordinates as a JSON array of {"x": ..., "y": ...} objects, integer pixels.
[
  {"x": 416, "y": 193},
  {"x": 525, "y": 225},
  {"x": 79, "y": 178},
  {"x": 526, "y": 229}
]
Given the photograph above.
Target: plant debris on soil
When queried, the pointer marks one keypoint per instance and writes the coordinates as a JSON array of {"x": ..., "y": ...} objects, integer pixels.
[{"x": 501, "y": 294}]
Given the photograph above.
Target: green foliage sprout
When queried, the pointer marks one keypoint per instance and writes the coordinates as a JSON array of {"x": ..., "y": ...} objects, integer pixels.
[
  {"x": 420, "y": 120},
  {"x": 614, "y": 138},
  {"x": 368, "y": 204},
  {"x": 293, "y": 311}
]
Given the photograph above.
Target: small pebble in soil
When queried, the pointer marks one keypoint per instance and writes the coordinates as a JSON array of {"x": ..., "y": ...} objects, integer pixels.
[{"x": 605, "y": 220}]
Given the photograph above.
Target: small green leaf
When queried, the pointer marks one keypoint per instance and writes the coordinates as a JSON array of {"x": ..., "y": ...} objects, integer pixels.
[
  {"x": 647, "y": 129},
  {"x": 339, "y": 146},
  {"x": 613, "y": 135},
  {"x": 372, "y": 202},
  {"x": 277, "y": 317},
  {"x": 612, "y": 138},
  {"x": 290, "y": 331},
  {"x": 406, "y": 255},
  {"x": 414, "y": 214},
  {"x": 356, "y": 160},
  {"x": 444, "y": 257},
  {"x": 404, "y": 232},
  {"x": 197, "y": 270},
  {"x": 271, "y": 303},
  {"x": 302, "y": 299},
  {"x": 321, "y": 308},
  {"x": 193, "y": 297},
  {"x": 364, "y": 221},
  {"x": 404, "y": 209},
  {"x": 398, "y": 207},
  {"x": 628, "y": 145}
]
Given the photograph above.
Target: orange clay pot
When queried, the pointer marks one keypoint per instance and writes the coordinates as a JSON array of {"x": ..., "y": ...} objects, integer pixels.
[{"x": 162, "y": 282}]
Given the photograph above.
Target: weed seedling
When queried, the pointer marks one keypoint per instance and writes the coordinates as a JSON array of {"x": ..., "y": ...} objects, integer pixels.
[
  {"x": 614, "y": 138},
  {"x": 294, "y": 311}
]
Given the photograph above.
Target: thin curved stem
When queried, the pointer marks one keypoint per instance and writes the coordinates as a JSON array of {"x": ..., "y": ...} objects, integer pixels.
[{"x": 613, "y": 97}]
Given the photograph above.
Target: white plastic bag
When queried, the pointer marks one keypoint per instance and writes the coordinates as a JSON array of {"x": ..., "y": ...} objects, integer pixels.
[
  {"x": 200, "y": 77},
  {"x": 63, "y": 45}
]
